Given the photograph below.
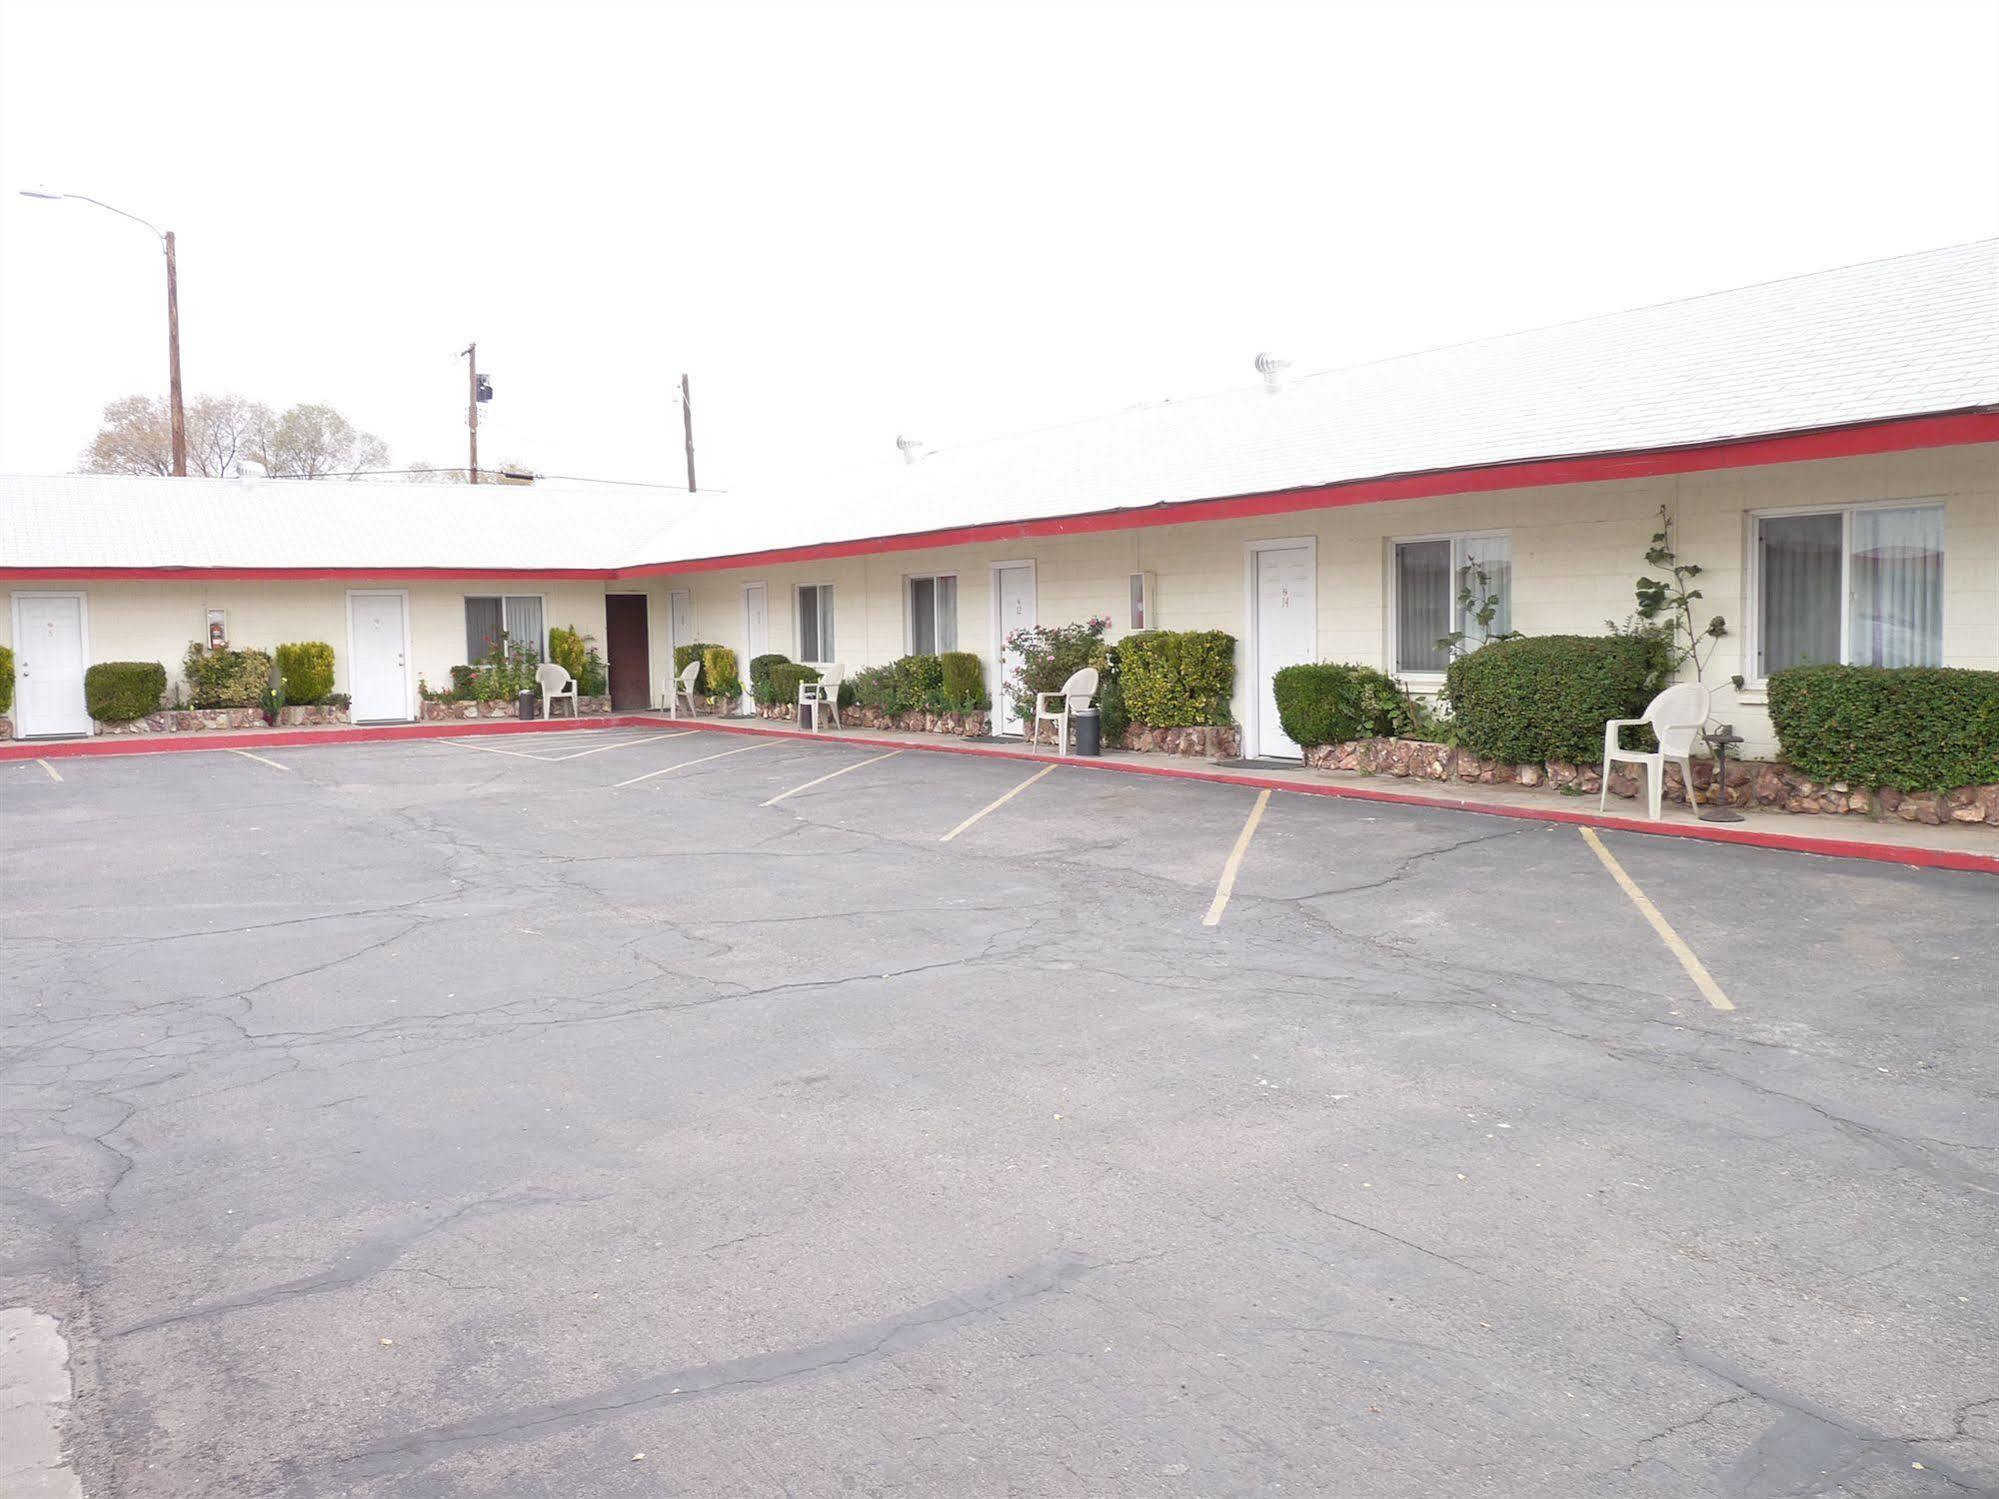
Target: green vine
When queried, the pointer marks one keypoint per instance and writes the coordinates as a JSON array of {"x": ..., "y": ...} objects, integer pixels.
[{"x": 1666, "y": 608}]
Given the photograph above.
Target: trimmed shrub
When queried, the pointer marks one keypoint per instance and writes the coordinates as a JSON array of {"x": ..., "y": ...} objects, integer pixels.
[
  {"x": 1547, "y": 697},
  {"x": 760, "y": 670},
  {"x": 963, "y": 682},
  {"x": 1173, "y": 679},
  {"x": 718, "y": 672},
  {"x": 120, "y": 691},
  {"x": 6, "y": 679},
  {"x": 784, "y": 679},
  {"x": 225, "y": 679},
  {"x": 307, "y": 668},
  {"x": 1330, "y": 703},
  {"x": 577, "y": 654},
  {"x": 1916, "y": 728},
  {"x": 694, "y": 650}
]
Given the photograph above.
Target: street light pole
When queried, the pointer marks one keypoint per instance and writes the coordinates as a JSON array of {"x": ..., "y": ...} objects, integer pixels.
[{"x": 176, "y": 418}]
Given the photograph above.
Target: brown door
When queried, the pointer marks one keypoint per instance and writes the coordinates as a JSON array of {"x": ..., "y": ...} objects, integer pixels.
[{"x": 627, "y": 646}]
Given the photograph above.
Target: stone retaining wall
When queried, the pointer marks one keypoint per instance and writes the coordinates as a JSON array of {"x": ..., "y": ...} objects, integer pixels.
[
  {"x": 1753, "y": 784},
  {"x": 970, "y": 725},
  {"x": 444, "y": 712},
  {"x": 1191, "y": 743},
  {"x": 198, "y": 720}
]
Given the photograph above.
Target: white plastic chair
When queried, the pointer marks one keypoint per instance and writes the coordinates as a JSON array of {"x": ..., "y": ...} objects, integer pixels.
[
  {"x": 1076, "y": 694},
  {"x": 555, "y": 682},
  {"x": 1676, "y": 715},
  {"x": 824, "y": 693},
  {"x": 683, "y": 687}
]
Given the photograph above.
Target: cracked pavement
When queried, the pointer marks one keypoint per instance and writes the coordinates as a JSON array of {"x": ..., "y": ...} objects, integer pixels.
[{"x": 424, "y": 1123}]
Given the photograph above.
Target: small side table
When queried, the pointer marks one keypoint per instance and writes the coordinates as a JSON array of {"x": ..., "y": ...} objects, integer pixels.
[{"x": 1719, "y": 743}]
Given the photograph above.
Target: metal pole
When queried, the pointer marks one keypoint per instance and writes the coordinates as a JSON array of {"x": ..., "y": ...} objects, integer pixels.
[
  {"x": 687, "y": 422},
  {"x": 178, "y": 418},
  {"x": 472, "y": 404}
]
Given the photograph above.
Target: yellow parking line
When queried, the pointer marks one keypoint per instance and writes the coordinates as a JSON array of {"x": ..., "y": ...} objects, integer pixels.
[
  {"x": 829, "y": 776},
  {"x": 1696, "y": 970},
  {"x": 621, "y": 744},
  {"x": 1230, "y": 869},
  {"x": 485, "y": 748},
  {"x": 995, "y": 806},
  {"x": 702, "y": 760},
  {"x": 53, "y": 776},
  {"x": 261, "y": 760}
]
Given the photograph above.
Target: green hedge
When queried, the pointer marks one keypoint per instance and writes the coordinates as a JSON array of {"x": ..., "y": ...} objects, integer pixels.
[
  {"x": 718, "y": 672},
  {"x": 785, "y": 677},
  {"x": 225, "y": 679},
  {"x": 1173, "y": 679},
  {"x": 760, "y": 670},
  {"x": 1330, "y": 703},
  {"x": 307, "y": 667},
  {"x": 6, "y": 679},
  {"x": 964, "y": 682},
  {"x": 1547, "y": 697},
  {"x": 694, "y": 650},
  {"x": 1916, "y": 728},
  {"x": 577, "y": 654},
  {"x": 120, "y": 691}
]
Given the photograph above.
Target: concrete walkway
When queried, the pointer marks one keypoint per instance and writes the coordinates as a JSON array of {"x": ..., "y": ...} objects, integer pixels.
[{"x": 1970, "y": 849}]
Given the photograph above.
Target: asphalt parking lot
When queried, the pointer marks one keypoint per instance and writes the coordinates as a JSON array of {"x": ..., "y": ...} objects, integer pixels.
[{"x": 644, "y": 1112}]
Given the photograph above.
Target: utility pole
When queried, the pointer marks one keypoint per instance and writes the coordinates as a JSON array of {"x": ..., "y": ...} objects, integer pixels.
[
  {"x": 687, "y": 422},
  {"x": 179, "y": 419},
  {"x": 472, "y": 403}
]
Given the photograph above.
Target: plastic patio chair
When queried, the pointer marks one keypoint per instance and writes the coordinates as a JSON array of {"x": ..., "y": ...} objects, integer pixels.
[
  {"x": 683, "y": 687},
  {"x": 555, "y": 682},
  {"x": 1676, "y": 715},
  {"x": 824, "y": 693},
  {"x": 1075, "y": 695}
]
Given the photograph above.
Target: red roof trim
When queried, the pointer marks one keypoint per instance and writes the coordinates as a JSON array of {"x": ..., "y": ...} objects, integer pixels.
[
  {"x": 1901, "y": 435},
  {"x": 1833, "y": 442}
]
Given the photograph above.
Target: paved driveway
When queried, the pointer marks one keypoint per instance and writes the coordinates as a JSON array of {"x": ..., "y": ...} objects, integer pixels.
[{"x": 558, "y": 1118}]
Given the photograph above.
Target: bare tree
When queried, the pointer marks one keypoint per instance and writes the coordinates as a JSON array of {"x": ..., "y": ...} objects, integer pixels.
[{"x": 316, "y": 442}]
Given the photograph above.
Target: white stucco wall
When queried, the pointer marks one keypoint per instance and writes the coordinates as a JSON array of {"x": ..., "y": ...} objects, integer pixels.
[{"x": 1576, "y": 551}]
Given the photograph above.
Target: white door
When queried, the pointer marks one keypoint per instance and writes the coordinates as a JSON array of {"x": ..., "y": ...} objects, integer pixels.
[
  {"x": 1013, "y": 609},
  {"x": 679, "y": 620},
  {"x": 378, "y": 663},
  {"x": 1286, "y": 625},
  {"x": 48, "y": 665},
  {"x": 756, "y": 632}
]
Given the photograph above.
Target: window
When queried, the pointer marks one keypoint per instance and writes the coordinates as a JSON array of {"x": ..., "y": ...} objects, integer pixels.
[
  {"x": 815, "y": 622},
  {"x": 518, "y": 615},
  {"x": 933, "y": 615},
  {"x": 1429, "y": 576},
  {"x": 1862, "y": 586}
]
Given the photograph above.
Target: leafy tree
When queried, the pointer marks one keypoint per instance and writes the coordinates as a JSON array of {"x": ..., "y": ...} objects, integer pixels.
[
  {"x": 314, "y": 441},
  {"x": 137, "y": 436}
]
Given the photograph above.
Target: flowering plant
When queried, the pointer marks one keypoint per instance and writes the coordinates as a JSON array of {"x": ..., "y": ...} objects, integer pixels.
[{"x": 1046, "y": 656}]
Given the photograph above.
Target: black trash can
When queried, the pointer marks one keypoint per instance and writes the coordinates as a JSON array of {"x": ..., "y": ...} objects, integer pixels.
[
  {"x": 1086, "y": 727},
  {"x": 530, "y": 704}
]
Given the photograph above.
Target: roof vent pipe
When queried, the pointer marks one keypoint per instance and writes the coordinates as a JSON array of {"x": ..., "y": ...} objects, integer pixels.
[
  {"x": 912, "y": 448},
  {"x": 1274, "y": 372}
]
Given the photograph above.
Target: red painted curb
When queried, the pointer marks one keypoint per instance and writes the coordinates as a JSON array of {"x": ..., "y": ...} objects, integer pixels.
[
  {"x": 225, "y": 739},
  {"x": 1838, "y": 848},
  {"x": 222, "y": 739}
]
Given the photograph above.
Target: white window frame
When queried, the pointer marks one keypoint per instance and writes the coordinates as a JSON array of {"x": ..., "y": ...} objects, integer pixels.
[
  {"x": 909, "y": 610},
  {"x": 798, "y": 621},
  {"x": 541, "y": 598},
  {"x": 1390, "y": 627},
  {"x": 1755, "y": 679}
]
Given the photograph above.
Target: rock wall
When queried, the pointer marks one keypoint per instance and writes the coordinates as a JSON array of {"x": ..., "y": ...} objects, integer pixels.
[
  {"x": 1754, "y": 784},
  {"x": 506, "y": 708},
  {"x": 197, "y": 720}
]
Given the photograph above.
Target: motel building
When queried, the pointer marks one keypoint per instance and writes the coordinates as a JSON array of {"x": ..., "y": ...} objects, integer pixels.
[{"x": 1826, "y": 446}]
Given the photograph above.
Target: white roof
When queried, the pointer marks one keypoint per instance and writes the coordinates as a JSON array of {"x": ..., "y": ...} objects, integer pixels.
[{"x": 1905, "y": 336}]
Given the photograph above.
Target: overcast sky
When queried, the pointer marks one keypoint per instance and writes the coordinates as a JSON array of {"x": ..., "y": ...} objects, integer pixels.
[{"x": 949, "y": 220}]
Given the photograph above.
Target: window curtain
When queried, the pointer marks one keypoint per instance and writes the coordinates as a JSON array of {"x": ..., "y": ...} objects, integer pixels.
[
  {"x": 524, "y": 623},
  {"x": 1423, "y": 596},
  {"x": 1799, "y": 580},
  {"x": 815, "y": 622},
  {"x": 947, "y": 614},
  {"x": 923, "y": 616},
  {"x": 1897, "y": 580},
  {"x": 483, "y": 623},
  {"x": 1492, "y": 555}
]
